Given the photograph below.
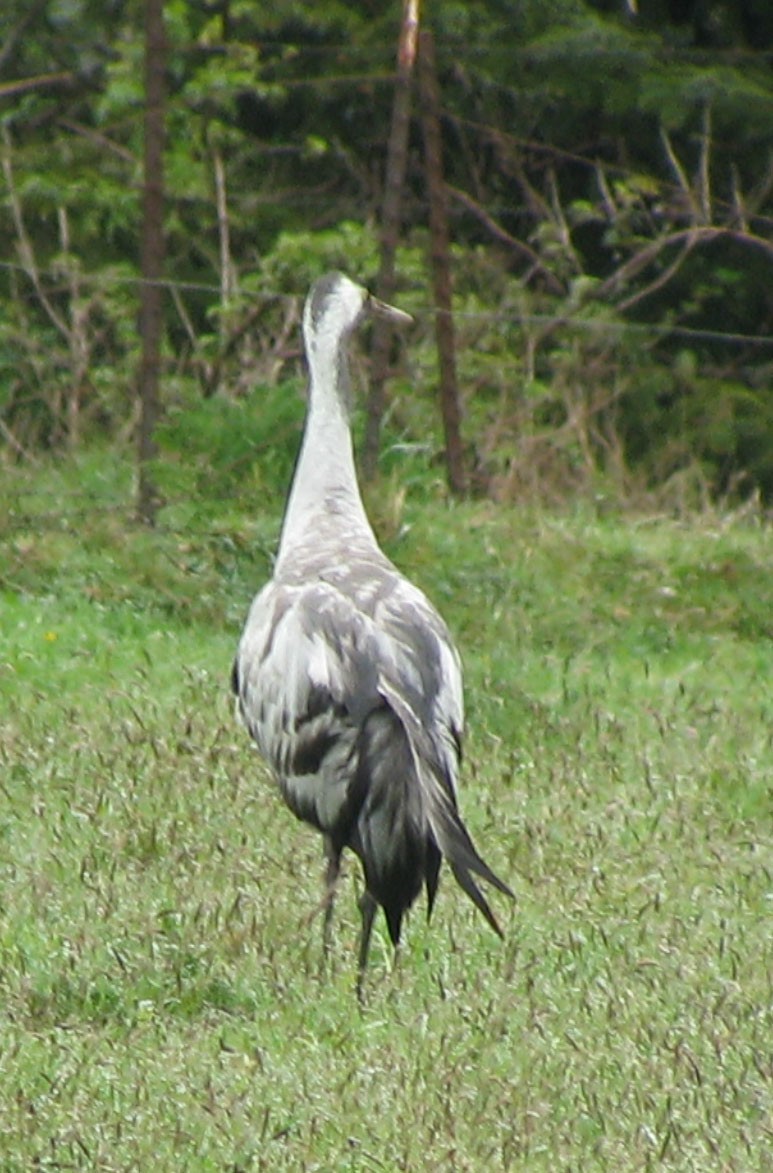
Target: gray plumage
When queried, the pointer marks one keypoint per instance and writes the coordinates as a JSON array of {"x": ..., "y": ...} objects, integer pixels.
[{"x": 346, "y": 676}]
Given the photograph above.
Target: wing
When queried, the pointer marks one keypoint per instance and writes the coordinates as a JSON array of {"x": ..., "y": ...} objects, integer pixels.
[
  {"x": 316, "y": 659},
  {"x": 420, "y": 676}
]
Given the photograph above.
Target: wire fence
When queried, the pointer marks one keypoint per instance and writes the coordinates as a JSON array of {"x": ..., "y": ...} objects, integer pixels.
[{"x": 565, "y": 319}]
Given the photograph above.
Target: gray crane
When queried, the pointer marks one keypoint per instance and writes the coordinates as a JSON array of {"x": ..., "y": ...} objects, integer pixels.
[{"x": 346, "y": 676}]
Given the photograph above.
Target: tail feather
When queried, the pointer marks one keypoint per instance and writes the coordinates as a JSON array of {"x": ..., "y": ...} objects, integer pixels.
[
  {"x": 431, "y": 874},
  {"x": 458, "y": 849},
  {"x": 449, "y": 832},
  {"x": 466, "y": 882}
]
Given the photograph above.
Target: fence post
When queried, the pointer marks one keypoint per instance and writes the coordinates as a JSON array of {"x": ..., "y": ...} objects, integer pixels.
[
  {"x": 450, "y": 405},
  {"x": 151, "y": 258},
  {"x": 397, "y": 153}
]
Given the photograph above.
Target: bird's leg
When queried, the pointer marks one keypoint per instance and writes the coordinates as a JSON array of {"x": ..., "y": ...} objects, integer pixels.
[
  {"x": 325, "y": 906},
  {"x": 332, "y": 872},
  {"x": 368, "y": 908}
]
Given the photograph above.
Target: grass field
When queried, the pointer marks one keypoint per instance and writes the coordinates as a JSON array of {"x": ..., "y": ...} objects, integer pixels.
[{"x": 164, "y": 1005}]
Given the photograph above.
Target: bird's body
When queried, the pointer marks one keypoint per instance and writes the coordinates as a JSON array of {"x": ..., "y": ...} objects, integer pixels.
[{"x": 346, "y": 675}]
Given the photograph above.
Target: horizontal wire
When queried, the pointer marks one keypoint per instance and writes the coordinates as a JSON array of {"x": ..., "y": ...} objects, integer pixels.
[
  {"x": 451, "y": 43},
  {"x": 559, "y": 319}
]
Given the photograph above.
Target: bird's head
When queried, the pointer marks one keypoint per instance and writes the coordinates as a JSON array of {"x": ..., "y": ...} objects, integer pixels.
[{"x": 334, "y": 307}]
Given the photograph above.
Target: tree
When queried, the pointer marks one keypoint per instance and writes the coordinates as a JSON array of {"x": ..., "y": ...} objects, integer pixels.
[
  {"x": 152, "y": 256},
  {"x": 394, "y": 181}
]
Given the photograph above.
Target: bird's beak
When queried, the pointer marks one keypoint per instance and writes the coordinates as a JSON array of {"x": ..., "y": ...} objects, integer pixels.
[{"x": 382, "y": 310}]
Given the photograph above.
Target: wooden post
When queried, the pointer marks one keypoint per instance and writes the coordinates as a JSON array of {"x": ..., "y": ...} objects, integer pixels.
[
  {"x": 450, "y": 405},
  {"x": 151, "y": 257},
  {"x": 397, "y": 154}
]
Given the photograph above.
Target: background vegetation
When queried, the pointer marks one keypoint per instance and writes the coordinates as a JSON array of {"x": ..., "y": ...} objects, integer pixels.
[{"x": 610, "y": 168}]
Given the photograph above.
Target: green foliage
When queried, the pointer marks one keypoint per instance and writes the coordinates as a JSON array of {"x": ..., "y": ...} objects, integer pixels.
[
  {"x": 675, "y": 93},
  {"x": 221, "y": 449},
  {"x": 298, "y": 257},
  {"x": 725, "y": 427}
]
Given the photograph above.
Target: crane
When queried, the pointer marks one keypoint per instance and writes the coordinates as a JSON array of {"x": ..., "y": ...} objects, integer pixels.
[{"x": 345, "y": 675}]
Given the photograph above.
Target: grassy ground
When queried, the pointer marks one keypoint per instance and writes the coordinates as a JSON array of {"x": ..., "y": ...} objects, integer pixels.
[{"x": 163, "y": 1000}]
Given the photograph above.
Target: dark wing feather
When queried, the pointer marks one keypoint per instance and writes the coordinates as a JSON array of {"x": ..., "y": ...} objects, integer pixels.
[{"x": 447, "y": 827}]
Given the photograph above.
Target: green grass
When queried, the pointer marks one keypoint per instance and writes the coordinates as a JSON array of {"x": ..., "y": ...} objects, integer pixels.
[{"x": 163, "y": 1000}]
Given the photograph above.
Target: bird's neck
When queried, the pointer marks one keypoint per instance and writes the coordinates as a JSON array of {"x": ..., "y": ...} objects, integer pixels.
[{"x": 324, "y": 502}]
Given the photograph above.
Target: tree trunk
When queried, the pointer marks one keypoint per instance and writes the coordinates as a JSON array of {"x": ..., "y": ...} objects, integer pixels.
[
  {"x": 151, "y": 257},
  {"x": 397, "y": 154},
  {"x": 450, "y": 405}
]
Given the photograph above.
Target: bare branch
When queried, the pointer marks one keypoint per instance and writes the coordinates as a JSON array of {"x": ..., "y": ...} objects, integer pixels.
[
  {"x": 102, "y": 141},
  {"x": 661, "y": 280},
  {"x": 12, "y": 89},
  {"x": 26, "y": 253},
  {"x": 185, "y": 317},
  {"x": 610, "y": 207},
  {"x": 739, "y": 211},
  {"x": 761, "y": 190},
  {"x": 538, "y": 207},
  {"x": 688, "y": 239},
  {"x": 227, "y": 272},
  {"x": 704, "y": 176},
  {"x": 639, "y": 261},
  {"x": 679, "y": 175},
  {"x": 16, "y": 444},
  {"x": 279, "y": 347},
  {"x": 505, "y": 237},
  {"x": 80, "y": 352},
  {"x": 559, "y": 220}
]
